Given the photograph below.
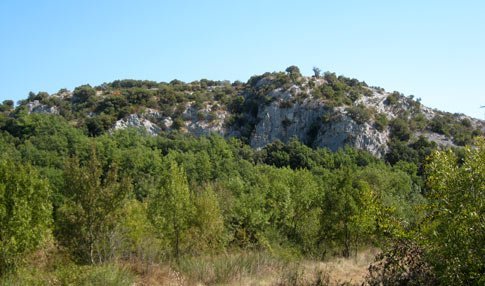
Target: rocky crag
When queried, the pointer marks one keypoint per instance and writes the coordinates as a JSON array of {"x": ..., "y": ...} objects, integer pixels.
[{"x": 321, "y": 111}]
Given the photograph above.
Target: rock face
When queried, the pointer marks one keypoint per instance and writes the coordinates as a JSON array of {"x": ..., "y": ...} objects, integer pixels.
[
  {"x": 37, "y": 107},
  {"x": 320, "y": 112},
  {"x": 306, "y": 122},
  {"x": 206, "y": 120},
  {"x": 136, "y": 121},
  {"x": 342, "y": 131},
  {"x": 277, "y": 122},
  {"x": 314, "y": 123},
  {"x": 291, "y": 113}
]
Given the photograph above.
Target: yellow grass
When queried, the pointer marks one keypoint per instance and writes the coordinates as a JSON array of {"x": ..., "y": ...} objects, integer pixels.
[{"x": 253, "y": 270}]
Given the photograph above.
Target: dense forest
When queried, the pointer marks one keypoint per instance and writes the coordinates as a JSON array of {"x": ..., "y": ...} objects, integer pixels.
[{"x": 84, "y": 204}]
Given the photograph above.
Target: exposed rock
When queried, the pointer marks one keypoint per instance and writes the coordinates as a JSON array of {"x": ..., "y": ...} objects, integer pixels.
[
  {"x": 277, "y": 123},
  {"x": 167, "y": 123},
  {"x": 305, "y": 121},
  {"x": 152, "y": 113},
  {"x": 37, "y": 107},
  {"x": 206, "y": 120},
  {"x": 439, "y": 139},
  {"x": 291, "y": 109},
  {"x": 134, "y": 120},
  {"x": 342, "y": 131}
]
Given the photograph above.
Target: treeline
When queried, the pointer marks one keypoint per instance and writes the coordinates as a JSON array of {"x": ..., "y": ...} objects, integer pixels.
[{"x": 129, "y": 196}]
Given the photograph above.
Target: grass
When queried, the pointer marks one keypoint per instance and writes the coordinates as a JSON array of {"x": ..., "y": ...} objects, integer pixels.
[
  {"x": 229, "y": 268},
  {"x": 236, "y": 268},
  {"x": 103, "y": 275}
]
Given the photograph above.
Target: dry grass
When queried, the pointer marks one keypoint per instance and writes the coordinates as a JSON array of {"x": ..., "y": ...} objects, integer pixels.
[
  {"x": 253, "y": 269},
  {"x": 335, "y": 271},
  {"x": 240, "y": 268},
  {"x": 348, "y": 270}
]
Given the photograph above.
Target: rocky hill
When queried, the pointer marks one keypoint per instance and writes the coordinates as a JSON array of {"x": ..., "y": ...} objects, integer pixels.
[{"x": 321, "y": 111}]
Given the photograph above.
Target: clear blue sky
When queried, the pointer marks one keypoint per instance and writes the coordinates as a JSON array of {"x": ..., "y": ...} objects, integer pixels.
[{"x": 434, "y": 50}]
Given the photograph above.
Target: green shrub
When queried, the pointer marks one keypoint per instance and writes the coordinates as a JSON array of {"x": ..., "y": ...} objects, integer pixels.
[
  {"x": 400, "y": 129},
  {"x": 359, "y": 113},
  {"x": 381, "y": 121},
  {"x": 392, "y": 98}
]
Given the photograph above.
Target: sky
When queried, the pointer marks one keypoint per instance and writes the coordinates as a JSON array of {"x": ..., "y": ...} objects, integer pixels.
[{"x": 434, "y": 50}]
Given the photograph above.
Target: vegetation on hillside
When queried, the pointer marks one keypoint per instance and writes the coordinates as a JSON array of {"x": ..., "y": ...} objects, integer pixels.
[{"x": 79, "y": 205}]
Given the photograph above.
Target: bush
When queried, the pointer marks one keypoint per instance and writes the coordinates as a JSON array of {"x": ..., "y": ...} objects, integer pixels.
[
  {"x": 403, "y": 264},
  {"x": 359, "y": 113},
  {"x": 392, "y": 98},
  {"x": 400, "y": 129},
  {"x": 83, "y": 93},
  {"x": 380, "y": 122}
]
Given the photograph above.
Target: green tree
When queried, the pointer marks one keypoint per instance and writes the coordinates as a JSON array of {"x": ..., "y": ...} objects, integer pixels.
[
  {"x": 455, "y": 231},
  {"x": 25, "y": 212},
  {"x": 92, "y": 201},
  {"x": 170, "y": 207},
  {"x": 304, "y": 220},
  {"x": 83, "y": 93},
  {"x": 294, "y": 73},
  {"x": 209, "y": 232},
  {"x": 349, "y": 213},
  {"x": 317, "y": 72}
]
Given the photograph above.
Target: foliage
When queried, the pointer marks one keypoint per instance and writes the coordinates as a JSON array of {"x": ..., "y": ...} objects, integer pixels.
[
  {"x": 349, "y": 213},
  {"x": 359, "y": 113},
  {"x": 171, "y": 208},
  {"x": 128, "y": 197},
  {"x": 380, "y": 121},
  {"x": 403, "y": 264},
  {"x": 25, "y": 212},
  {"x": 400, "y": 129},
  {"x": 294, "y": 73},
  {"x": 455, "y": 229},
  {"x": 208, "y": 224},
  {"x": 393, "y": 98},
  {"x": 92, "y": 199},
  {"x": 83, "y": 94}
]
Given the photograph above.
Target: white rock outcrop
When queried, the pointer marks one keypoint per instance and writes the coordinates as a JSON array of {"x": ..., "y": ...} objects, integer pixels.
[
  {"x": 37, "y": 107},
  {"x": 136, "y": 121},
  {"x": 305, "y": 121}
]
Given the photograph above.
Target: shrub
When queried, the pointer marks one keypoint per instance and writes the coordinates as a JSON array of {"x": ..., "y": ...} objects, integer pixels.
[
  {"x": 83, "y": 93},
  {"x": 400, "y": 129},
  {"x": 403, "y": 264},
  {"x": 392, "y": 98},
  {"x": 380, "y": 122},
  {"x": 359, "y": 113}
]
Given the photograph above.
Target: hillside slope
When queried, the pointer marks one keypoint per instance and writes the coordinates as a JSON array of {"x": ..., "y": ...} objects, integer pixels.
[{"x": 321, "y": 111}]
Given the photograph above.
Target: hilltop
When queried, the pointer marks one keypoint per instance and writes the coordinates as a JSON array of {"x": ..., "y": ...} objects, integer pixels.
[{"x": 324, "y": 110}]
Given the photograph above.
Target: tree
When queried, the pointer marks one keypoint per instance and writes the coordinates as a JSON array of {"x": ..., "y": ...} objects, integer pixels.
[
  {"x": 6, "y": 105},
  {"x": 92, "y": 199},
  {"x": 294, "y": 73},
  {"x": 170, "y": 208},
  {"x": 83, "y": 93},
  {"x": 349, "y": 212},
  {"x": 317, "y": 72},
  {"x": 25, "y": 212},
  {"x": 208, "y": 233},
  {"x": 455, "y": 230}
]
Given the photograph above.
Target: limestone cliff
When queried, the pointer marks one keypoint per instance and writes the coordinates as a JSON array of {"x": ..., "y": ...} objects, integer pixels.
[{"x": 320, "y": 111}]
